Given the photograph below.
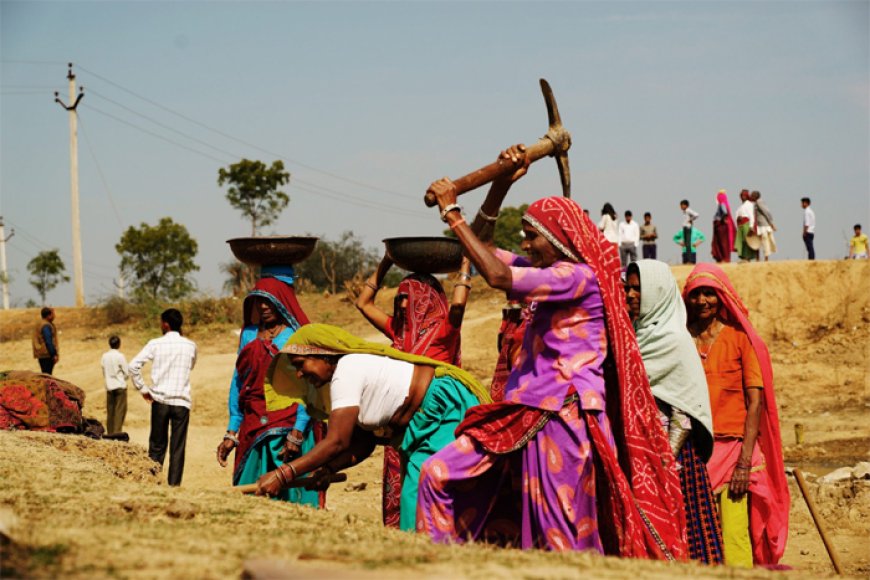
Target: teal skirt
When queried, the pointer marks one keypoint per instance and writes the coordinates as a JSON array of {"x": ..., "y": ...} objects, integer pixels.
[
  {"x": 263, "y": 458},
  {"x": 431, "y": 429}
]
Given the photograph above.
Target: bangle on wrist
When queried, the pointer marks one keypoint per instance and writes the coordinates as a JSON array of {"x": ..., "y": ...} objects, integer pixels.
[
  {"x": 465, "y": 276},
  {"x": 294, "y": 440},
  {"x": 448, "y": 208},
  {"x": 292, "y": 470},
  {"x": 282, "y": 479},
  {"x": 372, "y": 286},
  {"x": 488, "y": 218},
  {"x": 233, "y": 438},
  {"x": 457, "y": 223},
  {"x": 463, "y": 284}
]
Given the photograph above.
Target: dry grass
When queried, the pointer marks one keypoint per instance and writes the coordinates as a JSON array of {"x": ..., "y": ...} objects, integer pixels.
[{"x": 81, "y": 508}]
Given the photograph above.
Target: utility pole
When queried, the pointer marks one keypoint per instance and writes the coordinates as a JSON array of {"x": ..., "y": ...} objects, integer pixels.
[
  {"x": 78, "y": 274},
  {"x": 4, "y": 273}
]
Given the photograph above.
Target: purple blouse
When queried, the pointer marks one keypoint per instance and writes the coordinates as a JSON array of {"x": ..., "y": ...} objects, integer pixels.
[{"x": 565, "y": 342}]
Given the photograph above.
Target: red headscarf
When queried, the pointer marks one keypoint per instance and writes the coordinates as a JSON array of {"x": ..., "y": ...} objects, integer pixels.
[
  {"x": 283, "y": 299},
  {"x": 733, "y": 311},
  {"x": 722, "y": 198},
  {"x": 653, "y": 483},
  {"x": 425, "y": 327}
]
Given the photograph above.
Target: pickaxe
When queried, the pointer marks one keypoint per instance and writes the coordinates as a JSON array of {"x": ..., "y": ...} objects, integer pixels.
[{"x": 555, "y": 143}]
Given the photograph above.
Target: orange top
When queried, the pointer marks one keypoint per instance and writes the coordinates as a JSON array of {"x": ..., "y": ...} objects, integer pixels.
[{"x": 731, "y": 367}]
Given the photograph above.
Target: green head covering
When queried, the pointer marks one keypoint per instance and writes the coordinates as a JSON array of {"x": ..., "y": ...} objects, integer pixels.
[
  {"x": 675, "y": 372},
  {"x": 327, "y": 339}
]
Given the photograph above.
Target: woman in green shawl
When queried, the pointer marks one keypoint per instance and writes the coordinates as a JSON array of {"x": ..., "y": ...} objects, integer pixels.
[{"x": 371, "y": 394}]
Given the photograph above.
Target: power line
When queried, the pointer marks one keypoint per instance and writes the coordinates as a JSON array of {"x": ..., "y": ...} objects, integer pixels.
[
  {"x": 102, "y": 176},
  {"x": 168, "y": 140},
  {"x": 243, "y": 142}
]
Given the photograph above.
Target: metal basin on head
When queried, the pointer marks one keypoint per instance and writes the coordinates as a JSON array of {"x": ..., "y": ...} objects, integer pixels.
[
  {"x": 273, "y": 250},
  {"x": 432, "y": 255}
]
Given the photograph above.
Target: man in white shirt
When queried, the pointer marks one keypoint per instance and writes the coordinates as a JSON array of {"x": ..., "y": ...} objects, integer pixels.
[
  {"x": 115, "y": 374},
  {"x": 689, "y": 217},
  {"x": 629, "y": 238},
  {"x": 809, "y": 227},
  {"x": 172, "y": 358}
]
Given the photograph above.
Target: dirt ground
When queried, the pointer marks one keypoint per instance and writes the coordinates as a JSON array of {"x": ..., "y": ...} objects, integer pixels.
[{"x": 74, "y": 507}]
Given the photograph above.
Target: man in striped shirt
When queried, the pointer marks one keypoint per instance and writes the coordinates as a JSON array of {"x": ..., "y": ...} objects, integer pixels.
[{"x": 172, "y": 358}]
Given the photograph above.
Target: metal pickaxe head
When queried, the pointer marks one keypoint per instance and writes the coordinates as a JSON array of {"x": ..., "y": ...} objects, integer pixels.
[
  {"x": 555, "y": 143},
  {"x": 559, "y": 136}
]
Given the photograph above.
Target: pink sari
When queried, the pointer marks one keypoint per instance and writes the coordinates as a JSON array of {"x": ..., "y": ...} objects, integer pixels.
[{"x": 768, "y": 488}]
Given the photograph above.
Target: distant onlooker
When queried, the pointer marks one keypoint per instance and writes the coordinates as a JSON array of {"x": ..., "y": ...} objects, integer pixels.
[
  {"x": 44, "y": 341},
  {"x": 724, "y": 230},
  {"x": 764, "y": 225},
  {"x": 115, "y": 374},
  {"x": 648, "y": 235},
  {"x": 689, "y": 217},
  {"x": 858, "y": 245},
  {"x": 690, "y": 255},
  {"x": 608, "y": 224},
  {"x": 809, "y": 227},
  {"x": 629, "y": 238},
  {"x": 172, "y": 358},
  {"x": 746, "y": 229}
]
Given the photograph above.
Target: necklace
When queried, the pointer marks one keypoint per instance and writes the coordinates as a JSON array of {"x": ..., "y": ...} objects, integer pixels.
[
  {"x": 271, "y": 333},
  {"x": 712, "y": 333}
]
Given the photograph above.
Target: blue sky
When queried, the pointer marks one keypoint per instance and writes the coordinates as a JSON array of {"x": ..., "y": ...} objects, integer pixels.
[{"x": 368, "y": 102}]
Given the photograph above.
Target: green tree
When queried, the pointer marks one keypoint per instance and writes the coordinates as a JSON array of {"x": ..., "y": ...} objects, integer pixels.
[
  {"x": 254, "y": 190},
  {"x": 240, "y": 279},
  {"x": 335, "y": 262},
  {"x": 157, "y": 260},
  {"x": 47, "y": 271},
  {"x": 508, "y": 229}
]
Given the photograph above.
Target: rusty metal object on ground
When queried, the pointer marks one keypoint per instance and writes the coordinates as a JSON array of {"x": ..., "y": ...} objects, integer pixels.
[
  {"x": 302, "y": 482},
  {"x": 272, "y": 250},
  {"x": 429, "y": 255},
  {"x": 555, "y": 143}
]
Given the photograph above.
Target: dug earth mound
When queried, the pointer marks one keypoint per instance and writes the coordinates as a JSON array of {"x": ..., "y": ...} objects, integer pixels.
[{"x": 75, "y": 507}]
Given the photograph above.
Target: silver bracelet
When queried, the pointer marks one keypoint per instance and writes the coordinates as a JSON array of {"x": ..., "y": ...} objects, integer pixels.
[
  {"x": 465, "y": 276},
  {"x": 294, "y": 440},
  {"x": 488, "y": 218},
  {"x": 448, "y": 209},
  {"x": 233, "y": 438}
]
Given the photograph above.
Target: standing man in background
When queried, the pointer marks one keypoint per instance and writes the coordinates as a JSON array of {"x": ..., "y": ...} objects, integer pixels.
[
  {"x": 115, "y": 375},
  {"x": 629, "y": 238},
  {"x": 858, "y": 245},
  {"x": 172, "y": 358},
  {"x": 764, "y": 225},
  {"x": 689, "y": 217},
  {"x": 648, "y": 235},
  {"x": 44, "y": 341},
  {"x": 809, "y": 227}
]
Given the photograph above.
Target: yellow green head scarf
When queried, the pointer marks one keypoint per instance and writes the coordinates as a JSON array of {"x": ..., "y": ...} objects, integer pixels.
[{"x": 322, "y": 339}]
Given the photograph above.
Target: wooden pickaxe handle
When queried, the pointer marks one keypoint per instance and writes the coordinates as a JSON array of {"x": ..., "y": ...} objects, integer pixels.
[
  {"x": 555, "y": 143},
  {"x": 305, "y": 482}
]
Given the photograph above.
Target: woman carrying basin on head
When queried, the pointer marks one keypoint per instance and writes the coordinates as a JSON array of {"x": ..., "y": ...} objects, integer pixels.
[
  {"x": 533, "y": 470},
  {"x": 266, "y": 427},
  {"x": 746, "y": 468},
  {"x": 680, "y": 388},
  {"x": 371, "y": 394},
  {"x": 422, "y": 323}
]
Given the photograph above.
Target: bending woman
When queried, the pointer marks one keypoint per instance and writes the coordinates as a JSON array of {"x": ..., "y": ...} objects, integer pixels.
[
  {"x": 377, "y": 395},
  {"x": 746, "y": 468},
  {"x": 422, "y": 323},
  {"x": 265, "y": 427},
  {"x": 680, "y": 389},
  {"x": 525, "y": 471}
]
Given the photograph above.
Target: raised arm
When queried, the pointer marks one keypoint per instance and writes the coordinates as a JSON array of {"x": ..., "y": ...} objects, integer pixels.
[
  {"x": 365, "y": 302},
  {"x": 477, "y": 238},
  {"x": 461, "y": 290}
]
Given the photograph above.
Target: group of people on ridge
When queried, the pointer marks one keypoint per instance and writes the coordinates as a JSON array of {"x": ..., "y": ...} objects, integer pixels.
[{"x": 624, "y": 417}]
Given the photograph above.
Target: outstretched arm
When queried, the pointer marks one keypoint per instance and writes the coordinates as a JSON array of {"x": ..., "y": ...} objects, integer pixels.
[
  {"x": 365, "y": 302},
  {"x": 461, "y": 290}
]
